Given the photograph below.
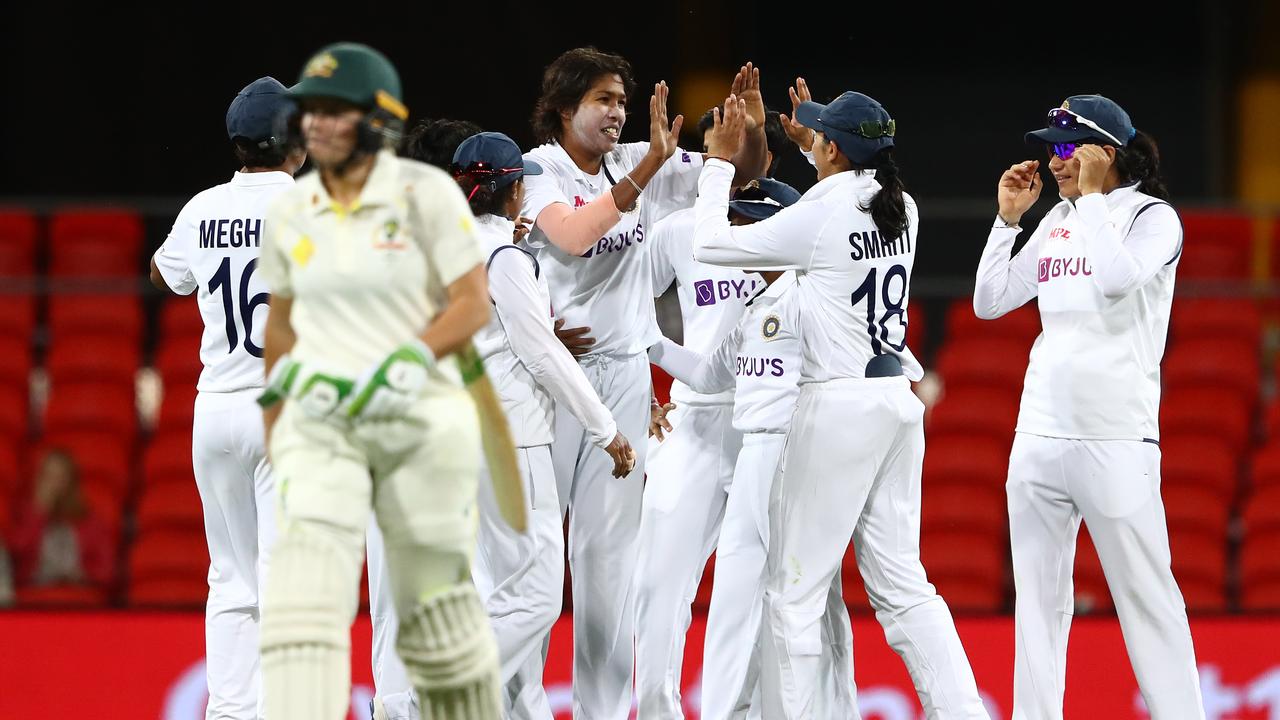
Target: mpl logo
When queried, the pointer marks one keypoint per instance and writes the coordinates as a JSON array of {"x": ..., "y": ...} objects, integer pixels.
[{"x": 709, "y": 292}]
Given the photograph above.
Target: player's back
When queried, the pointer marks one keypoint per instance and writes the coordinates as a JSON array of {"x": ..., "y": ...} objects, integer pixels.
[
  {"x": 213, "y": 251},
  {"x": 854, "y": 292}
]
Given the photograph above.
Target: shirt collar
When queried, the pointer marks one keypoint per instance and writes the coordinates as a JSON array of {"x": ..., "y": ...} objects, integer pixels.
[
  {"x": 496, "y": 223},
  {"x": 862, "y": 183},
  {"x": 379, "y": 189},
  {"x": 580, "y": 175},
  {"x": 258, "y": 179}
]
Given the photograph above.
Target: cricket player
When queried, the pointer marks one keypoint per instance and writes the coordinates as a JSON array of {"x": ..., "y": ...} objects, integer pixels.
[
  {"x": 593, "y": 207},
  {"x": 851, "y": 240},
  {"x": 377, "y": 281},
  {"x": 1102, "y": 265},
  {"x": 689, "y": 472},
  {"x": 212, "y": 251},
  {"x": 521, "y": 576}
]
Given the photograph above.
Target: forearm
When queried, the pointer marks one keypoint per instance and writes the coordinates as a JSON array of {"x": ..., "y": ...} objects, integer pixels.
[
  {"x": 751, "y": 161},
  {"x": 997, "y": 289},
  {"x": 699, "y": 372},
  {"x": 577, "y": 231},
  {"x": 452, "y": 329},
  {"x": 554, "y": 369},
  {"x": 624, "y": 194},
  {"x": 278, "y": 339},
  {"x": 1118, "y": 266}
]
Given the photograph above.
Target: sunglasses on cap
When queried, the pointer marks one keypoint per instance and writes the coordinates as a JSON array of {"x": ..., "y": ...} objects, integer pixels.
[
  {"x": 1066, "y": 120},
  {"x": 874, "y": 129}
]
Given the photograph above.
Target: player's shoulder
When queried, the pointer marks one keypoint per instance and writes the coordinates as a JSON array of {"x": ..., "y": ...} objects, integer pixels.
[
  {"x": 555, "y": 162},
  {"x": 211, "y": 198}
]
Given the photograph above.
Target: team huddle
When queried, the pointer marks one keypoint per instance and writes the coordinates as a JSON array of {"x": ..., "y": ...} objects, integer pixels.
[{"x": 455, "y": 361}]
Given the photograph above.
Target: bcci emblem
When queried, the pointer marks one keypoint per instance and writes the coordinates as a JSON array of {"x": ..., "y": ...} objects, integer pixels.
[
  {"x": 772, "y": 325},
  {"x": 321, "y": 65}
]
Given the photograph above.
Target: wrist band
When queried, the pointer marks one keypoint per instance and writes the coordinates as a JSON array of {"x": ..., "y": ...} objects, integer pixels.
[{"x": 633, "y": 184}]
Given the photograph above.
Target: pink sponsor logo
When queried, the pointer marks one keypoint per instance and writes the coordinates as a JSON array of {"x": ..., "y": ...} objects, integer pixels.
[{"x": 1053, "y": 268}]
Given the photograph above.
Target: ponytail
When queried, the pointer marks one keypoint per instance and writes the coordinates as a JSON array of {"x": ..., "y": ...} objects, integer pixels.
[
  {"x": 1139, "y": 162},
  {"x": 888, "y": 208}
]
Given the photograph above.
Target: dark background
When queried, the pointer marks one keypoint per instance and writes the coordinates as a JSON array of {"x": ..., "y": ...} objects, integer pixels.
[{"x": 120, "y": 105}]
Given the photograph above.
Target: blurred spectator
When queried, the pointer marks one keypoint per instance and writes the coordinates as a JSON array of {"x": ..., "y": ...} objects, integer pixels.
[
  {"x": 6, "y": 579},
  {"x": 57, "y": 540}
]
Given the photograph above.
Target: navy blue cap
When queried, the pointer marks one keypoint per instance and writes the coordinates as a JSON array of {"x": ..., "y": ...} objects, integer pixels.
[
  {"x": 1082, "y": 112},
  {"x": 841, "y": 121},
  {"x": 762, "y": 198},
  {"x": 253, "y": 113},
  {"x": 497, "y": 154}
]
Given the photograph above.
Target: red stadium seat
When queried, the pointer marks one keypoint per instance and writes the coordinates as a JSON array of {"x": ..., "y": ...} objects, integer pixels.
[
  {"x": 1216, "y": 246},
  {"x": 853, "y": 589},
  {"x": 957, "y": 507},
  {"x": 967, "y": 568},
  {"x": 1262, "y": 511},
  {"x": 177, "y": 407},
  {"x": 916, "y": 329},
  {"x": 1214, "y": 364},
  {"x": 997, "y": 363},
  {"x": 77, "y": 315},
  {"x": 92, "y": 407},
  {"x": 167, "y": 459},
  {"x": 1022, "y": 324},
  {"x": 10, "y": 469},
  {"x": 1260, "y": 570},
  {"x": 1196, "y": 509},
  {"x": 14, "y": 420},
  {"x": 1265, "y": 469},
  {"x": 18, "y": 317},
  {"x": 18, "y": 233},
  {"x": 95, "y": 243},
  {"x": 179, "y": 320},
  {"x": 169, "y": 557},
  {"x": 173, "y": 505},
  {"x": 1213, "y": 412},
  {"x": 178, "y": 363},
  {"x": 964, "y": 411},
  {"x": 1214, "y": 318},
  {"x": 60, "y": 596},
  {"x": 103, "y": 358},
  {"x": 1200, "y": 568},
  {"x": 105, "y": 503},
  {"x": 1199, "y": 460},
  {"x": 190, "y": 591}
]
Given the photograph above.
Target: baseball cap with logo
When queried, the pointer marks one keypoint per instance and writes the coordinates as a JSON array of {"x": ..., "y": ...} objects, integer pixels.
[
  {"x": 255, "y": 109},
  {"x": 859, "y": 125},
  {"x": 1086, "y": 117},
  {"x": 495, "y": 157},
  {"x": 762, "y": 198}
]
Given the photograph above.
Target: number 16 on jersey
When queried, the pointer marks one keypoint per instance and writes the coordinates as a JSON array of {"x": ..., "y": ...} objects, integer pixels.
[{"x": 223, "y": 282}]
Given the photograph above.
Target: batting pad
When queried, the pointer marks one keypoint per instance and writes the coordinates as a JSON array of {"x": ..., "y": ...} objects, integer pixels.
[
  {"x": 306, "y": 621},
  {"x": 448, "y": 648}
]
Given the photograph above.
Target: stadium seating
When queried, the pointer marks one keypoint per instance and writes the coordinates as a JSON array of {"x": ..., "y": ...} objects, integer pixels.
[
  {"x": 19, "y": 231},
  {"x": 168, "y": 567},
  {"x": 1216, "y": 246},
  {"x": 1208, "y": 411},
  {"x": 993, "y": 363},
  {"x": 1214, "y": 318},
  {"x": 1022, "y": 324},
  {"x": 975, "y": 411},
  {"x": 1211, "y": 363},
  {"x": 1202, "y": 461},
  {"x": 967, "y": 567},
  {"x": 95, "y": 243},
  {"x": 73, "y": 317}
]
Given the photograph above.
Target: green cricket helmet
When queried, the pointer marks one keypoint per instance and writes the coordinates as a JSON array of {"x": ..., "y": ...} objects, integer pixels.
[{"x": 364, "y": 77}]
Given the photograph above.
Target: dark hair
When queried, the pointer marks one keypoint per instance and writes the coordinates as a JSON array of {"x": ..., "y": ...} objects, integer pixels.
[
  {"x": 1139, "y": 161},
  {"x": 775, "y": 137},
  {"x": 434, "y": 141},
  {"x": 888, "y": 207},
  {"x": 483, "y": 194},
  {"x": 251, "y": 156},
  {"x": 567, "y": 79}
]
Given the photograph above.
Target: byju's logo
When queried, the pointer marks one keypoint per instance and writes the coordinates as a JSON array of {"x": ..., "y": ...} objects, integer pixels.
[
  {"x": 1044, "y": 269},
  {"x": 705, "y": 292},
  {"x": 1051, "y": 268}
]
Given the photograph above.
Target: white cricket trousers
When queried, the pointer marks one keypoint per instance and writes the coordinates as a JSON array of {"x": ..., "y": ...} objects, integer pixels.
[
  {"x": 238, "y": 496},
  {"x": 604, "y": 522},
  {"x": 851, "y": 471},
  {"x": 390, "y": 677},
  {"x": 688, "y": 477},
  {"x": 731, "y": 652},
  {"x": 1114, "y": 486}
]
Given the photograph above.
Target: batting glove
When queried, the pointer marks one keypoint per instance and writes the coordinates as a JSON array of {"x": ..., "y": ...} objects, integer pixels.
[
  {"x": 390, "y": 389},
  {"x": 318, "y": 394}
]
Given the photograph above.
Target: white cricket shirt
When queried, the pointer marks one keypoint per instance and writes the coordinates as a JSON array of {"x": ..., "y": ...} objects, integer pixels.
[
  {"x": 367, "y": 279},
  {"x": 712, "y": 298},
  {"x": 1103, "y": 270},
  {"x": 212, "y": 250},
  {"x": 533, "y": 373},
  {"x": 609, "y": 288},
  {"x": 852, "y": 286}
]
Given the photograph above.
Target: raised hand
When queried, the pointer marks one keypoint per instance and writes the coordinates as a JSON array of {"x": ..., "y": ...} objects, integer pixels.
[
  {"x": 1018, "y": 190},
  {"x": 799, "y": 134},
  {"x": 1094, "y": 164},
  {"x": 727, "y": 134},
  {"x": 746, "y": 85},
  {"x": 663, "y": 138}
]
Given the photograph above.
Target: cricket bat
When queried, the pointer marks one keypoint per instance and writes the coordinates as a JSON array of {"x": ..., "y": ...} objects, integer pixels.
[{"x": 495, "y": 435}]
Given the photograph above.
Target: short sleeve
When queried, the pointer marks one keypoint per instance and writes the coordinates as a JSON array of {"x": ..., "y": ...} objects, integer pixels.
[
  {"x": 273, "y": 263},
  {"x": 452, "y": 245},
  {"x": 676, "y": 184},
  {"x": 173, "y": 257}
]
